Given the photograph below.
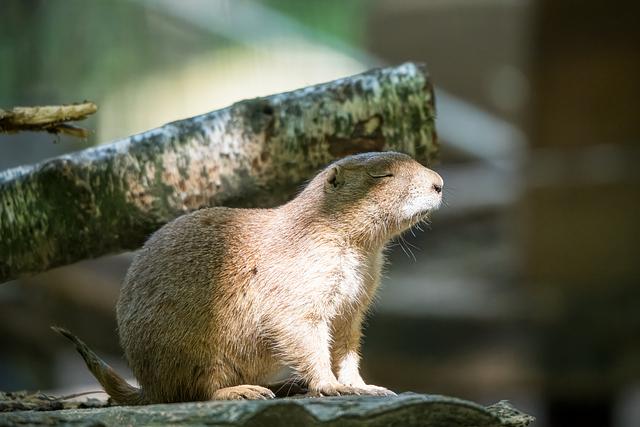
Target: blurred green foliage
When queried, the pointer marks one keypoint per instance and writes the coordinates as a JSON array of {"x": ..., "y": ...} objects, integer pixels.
[
  {"x": 64, "y": 51},
  {"x": 334, "y": 17}
]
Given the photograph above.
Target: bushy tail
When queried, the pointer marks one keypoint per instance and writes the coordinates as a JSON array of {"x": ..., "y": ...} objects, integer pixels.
[{"x": 118, "y": 389}]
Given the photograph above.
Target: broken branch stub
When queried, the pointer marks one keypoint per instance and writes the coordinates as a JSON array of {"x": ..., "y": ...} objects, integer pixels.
[
  {"x": 109, "y": 198},
  {"x": 49, "y": 118}
]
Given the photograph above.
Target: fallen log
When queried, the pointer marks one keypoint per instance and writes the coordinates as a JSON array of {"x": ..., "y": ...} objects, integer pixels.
[{"x": 109, "y": 198}]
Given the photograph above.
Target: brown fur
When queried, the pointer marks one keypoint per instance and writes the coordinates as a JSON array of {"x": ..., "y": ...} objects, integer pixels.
[{"x": 220, "y": 299}]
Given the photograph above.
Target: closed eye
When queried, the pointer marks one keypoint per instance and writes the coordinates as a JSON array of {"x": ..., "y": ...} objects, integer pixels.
[{"x": 380, "y": 175}]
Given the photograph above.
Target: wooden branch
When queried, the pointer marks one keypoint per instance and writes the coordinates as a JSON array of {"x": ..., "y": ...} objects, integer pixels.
[
  {"x": 255, "y": 153},
  {"x": 51, "y": 118}
]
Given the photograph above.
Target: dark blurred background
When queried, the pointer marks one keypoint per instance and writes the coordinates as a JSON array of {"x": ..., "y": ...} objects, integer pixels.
[{"x": 526, "y": 287}]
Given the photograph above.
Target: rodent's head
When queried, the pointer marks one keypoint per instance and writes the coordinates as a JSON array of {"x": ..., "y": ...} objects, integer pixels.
[{"x": 378, "y": 195}]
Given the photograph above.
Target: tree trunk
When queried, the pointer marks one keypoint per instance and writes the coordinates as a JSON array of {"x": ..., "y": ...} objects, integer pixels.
[{"x": 109, "y": 198}]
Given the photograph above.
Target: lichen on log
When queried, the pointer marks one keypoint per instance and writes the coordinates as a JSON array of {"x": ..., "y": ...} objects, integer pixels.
[
  {"x": 256, "y": 152},
  {"x": 406, "y": 410}
]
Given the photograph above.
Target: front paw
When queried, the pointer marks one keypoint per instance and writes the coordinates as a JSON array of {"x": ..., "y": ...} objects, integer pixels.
[
  {"x": 333, "y": 389},
  {"x": 339, "y": 389},
  {"x": 365, "y": 389},
  {"x": 374, "y": 390}
]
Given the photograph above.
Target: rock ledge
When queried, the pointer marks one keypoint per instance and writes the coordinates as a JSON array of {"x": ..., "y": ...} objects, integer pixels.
[{"x": 408, "y": 409}]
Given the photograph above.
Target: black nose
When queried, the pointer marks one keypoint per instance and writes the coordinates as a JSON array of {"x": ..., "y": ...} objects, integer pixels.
[{"x": 437, "y": 188}]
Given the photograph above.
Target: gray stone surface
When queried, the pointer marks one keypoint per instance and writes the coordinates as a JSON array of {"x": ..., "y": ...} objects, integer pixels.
[{"x": 407, "y": 409}]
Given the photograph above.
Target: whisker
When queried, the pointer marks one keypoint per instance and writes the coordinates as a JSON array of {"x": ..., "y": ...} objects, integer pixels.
[
  {"x": 403, "y": 249},
  {"x": 412, "y": 245},
  {"x": 408, "y": 248}
]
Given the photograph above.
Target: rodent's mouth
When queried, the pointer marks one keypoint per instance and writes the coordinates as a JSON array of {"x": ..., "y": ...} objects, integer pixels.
[
  {"x": 419, "y": 217},
  {"x": 424, "y": 214},
  {"x": 415, "y": 219}
]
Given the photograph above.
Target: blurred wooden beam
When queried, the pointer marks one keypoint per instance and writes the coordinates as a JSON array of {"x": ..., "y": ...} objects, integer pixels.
[{"x": 580, "y": 206}]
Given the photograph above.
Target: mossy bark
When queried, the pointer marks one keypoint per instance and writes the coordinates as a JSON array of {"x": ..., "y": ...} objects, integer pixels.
[{"x": 109, "y": 198}]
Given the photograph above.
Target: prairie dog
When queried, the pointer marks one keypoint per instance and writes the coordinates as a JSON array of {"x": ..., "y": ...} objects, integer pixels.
[{"x": 218, "y": 300}]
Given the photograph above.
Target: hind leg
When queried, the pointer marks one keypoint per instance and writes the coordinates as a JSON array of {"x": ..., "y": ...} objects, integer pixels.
[{"x": 243, "y": 392}]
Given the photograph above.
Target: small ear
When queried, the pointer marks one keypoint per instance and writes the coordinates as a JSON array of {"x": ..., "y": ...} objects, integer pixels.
[{"x": 335, "y": 177}]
